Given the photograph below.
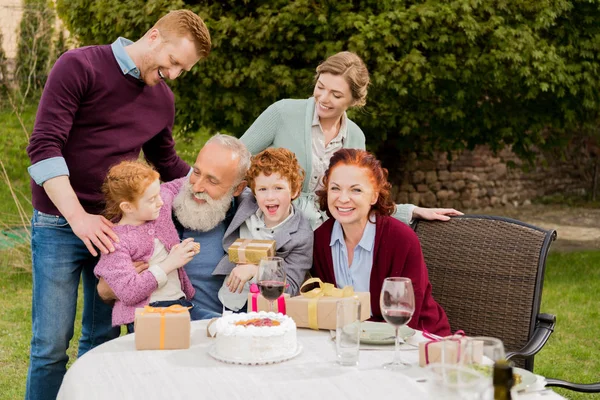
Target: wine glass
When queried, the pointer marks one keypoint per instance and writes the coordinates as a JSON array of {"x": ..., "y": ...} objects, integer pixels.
[
  {"x": 271, "y": 278},
  {"x": 397, "y": 303}
]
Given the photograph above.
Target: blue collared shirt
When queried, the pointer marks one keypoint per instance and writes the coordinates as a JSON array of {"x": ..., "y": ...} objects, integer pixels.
[
  {"x": 125, "y": 62},
  {"x": 358, "y": 274},
  {"x": 56, "y": 166}
]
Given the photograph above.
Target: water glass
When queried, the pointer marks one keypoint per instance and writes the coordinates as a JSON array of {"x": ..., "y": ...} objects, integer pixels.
[
  {"x": 347, "y": 335},
  {"x": 455, "y": 382}
]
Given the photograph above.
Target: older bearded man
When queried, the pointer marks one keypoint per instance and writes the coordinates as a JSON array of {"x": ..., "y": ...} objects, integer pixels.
[{"x": 204, "y": 207}]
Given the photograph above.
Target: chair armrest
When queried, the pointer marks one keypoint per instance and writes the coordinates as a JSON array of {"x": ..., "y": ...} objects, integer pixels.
[
  {"x": 543, "y": 329},
  {"x": 576, "y": 387}
]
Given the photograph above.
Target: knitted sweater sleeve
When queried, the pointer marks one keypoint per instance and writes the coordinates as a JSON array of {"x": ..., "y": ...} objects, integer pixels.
[
  {"x": 262, "y": 132},
  {"x": 117, "y": 269},
  {"x": 65, "y": 88}
]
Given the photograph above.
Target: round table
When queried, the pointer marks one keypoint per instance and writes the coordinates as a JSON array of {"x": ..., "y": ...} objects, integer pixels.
[{"x": 116, "y": 370}]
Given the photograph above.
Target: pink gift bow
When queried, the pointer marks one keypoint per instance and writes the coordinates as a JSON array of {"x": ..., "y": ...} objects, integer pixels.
[
  {"x": 435, "y": 338},
  {"x": 256, "y": 291}
]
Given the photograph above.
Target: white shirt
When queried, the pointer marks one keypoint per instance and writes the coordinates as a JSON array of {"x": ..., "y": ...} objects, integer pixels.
[{"x": 169, "y": 288}]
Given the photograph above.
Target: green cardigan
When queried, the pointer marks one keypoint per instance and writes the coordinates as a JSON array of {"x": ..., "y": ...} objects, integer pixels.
[{"x": 288, "y": 124}]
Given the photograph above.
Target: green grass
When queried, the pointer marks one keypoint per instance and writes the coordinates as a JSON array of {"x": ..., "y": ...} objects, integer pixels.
[
  {"x": 13, "y": 141},
  {"x": 571, "y": 292}
]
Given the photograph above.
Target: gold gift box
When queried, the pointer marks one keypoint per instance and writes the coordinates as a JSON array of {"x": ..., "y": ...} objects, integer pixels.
[
  {"x": 162, "y": 328},
  {"x": 450, "y": 350},
  {"x": 297, "y": 309},
  {"x": 250, "y": 251}
]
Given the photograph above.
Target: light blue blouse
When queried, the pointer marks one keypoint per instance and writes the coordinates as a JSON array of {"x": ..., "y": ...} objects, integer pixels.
[{"x": 358, "y": 274}]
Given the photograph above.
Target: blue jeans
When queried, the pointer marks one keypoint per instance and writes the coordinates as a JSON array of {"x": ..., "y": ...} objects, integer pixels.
[{"x": 59, "y": 258}]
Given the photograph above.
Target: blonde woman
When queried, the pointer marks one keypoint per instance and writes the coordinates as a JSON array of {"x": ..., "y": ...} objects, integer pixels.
[{"x": 317, "y": 127}]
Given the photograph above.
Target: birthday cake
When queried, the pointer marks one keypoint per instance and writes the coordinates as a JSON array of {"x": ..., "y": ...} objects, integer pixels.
[{"x": 255, "y": 337}]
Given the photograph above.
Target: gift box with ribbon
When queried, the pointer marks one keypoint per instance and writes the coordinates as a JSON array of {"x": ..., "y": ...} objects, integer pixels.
[
  {"x": 451, "y": 349},
  {"x": 256, "y": 301},
  {"x": 316, "y": 308},
  {"x": 162, "y": 328},
  {"x": 250, "y": 251}
]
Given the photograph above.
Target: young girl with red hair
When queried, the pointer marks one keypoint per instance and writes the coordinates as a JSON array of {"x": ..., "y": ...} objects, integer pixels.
[
  {"x": 361, "y": 244},
  {"x": 141, "y": 210}
]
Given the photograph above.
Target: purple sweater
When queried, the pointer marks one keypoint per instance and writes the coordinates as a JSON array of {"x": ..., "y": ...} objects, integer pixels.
[
  {"x": 94, "y": 116},
  {"x": 136, "y": 243}
]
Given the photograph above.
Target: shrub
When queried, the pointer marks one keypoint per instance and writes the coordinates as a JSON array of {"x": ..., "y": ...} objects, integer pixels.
[{"x": 445, "y": 74}]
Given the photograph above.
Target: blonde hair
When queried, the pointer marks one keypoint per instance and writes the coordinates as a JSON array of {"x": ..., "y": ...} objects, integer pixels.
[
  {"x": 353, "y": 69},
  {"x": 184, "y": 23},
  {"x": 126, "y": 181}
]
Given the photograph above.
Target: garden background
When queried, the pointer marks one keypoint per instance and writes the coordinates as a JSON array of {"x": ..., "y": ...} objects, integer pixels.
[{"x": 447, "y": 76}]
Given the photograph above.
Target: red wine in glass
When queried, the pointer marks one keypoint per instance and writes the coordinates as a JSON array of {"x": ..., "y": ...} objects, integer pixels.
[
  {"x": 271, "y": 290},
  {"x": 397, "y": 317}
]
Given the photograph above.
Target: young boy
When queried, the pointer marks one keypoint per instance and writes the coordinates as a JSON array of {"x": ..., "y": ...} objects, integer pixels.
[{"x": 267, "y": 213}]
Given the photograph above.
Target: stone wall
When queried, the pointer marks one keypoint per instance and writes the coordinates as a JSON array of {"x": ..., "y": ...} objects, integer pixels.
[{"x": 480, "y": 179}]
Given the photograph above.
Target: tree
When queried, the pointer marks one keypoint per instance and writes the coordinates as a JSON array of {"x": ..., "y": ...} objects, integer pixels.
[
  {"x": 446, "y": 75},
  {"x": 34, "y": 50}
]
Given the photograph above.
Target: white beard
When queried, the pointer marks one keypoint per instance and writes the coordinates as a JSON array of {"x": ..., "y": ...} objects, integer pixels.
[{"x": 200, "y": 217}]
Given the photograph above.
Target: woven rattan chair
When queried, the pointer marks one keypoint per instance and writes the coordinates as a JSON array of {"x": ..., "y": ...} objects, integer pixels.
[{"x": 487, "y": 273}]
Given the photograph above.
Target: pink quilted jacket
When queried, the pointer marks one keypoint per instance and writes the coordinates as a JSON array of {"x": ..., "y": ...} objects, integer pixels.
[{"x": 136, "y": 243}]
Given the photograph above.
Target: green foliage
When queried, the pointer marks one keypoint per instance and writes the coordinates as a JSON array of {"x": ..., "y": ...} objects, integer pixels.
[
  {"x": 3, "y": 74},
  {"x": 445, "y": 74},
  {"x": 35, "y": 50}
]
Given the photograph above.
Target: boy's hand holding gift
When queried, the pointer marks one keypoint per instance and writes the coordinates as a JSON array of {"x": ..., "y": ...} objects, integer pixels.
[{"x": 241, "y": 274}]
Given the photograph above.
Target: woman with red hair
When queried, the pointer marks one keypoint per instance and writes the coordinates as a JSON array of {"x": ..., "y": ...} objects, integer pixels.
[{"x": 361, "y": 244}]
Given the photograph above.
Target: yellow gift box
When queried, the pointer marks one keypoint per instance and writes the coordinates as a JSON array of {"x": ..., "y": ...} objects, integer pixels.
[
  {"x": 250, "y": 251},
  {"x": 317, "y": 308},
  {"x": 450, "y": 350},
  {"x": 162, "y": 328}
]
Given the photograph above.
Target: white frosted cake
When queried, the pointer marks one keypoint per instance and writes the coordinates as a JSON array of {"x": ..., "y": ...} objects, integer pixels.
[{"x": 255, "y": 337}]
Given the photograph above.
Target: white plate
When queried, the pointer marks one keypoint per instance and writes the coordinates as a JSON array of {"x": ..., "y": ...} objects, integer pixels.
[
  {"x": 527, "y": 378},
  {"x": 213, "y": 353},
  {"x": 382, "y": 333}
]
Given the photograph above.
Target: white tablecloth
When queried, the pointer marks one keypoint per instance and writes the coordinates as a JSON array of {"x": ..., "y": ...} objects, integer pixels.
[{"x": 116, "y": 370}]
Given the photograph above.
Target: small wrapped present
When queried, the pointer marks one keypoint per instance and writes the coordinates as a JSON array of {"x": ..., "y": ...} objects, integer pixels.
[
  {"x": 451, "y": 349},
  {"x": 162, "y": 328},
  {"x": 250, "y": 251},
  {"x": 317, "y": 308},
  {"x": 256, "y": 301}
]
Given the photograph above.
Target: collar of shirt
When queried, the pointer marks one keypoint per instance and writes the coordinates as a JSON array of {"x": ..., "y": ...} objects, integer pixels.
[
  {"x": 343, "y": 127},
  {"x": 125, "y": 62},
  {"x": 367, "y": 241},
  {"x": 257, "y": 221}
]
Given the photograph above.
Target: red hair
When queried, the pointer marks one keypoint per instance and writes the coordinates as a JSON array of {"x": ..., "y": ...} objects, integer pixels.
[
  {"x": 279, "y": 160},
  {"x": 377, "y": 174},
  {"x": 126, "y": 181}
]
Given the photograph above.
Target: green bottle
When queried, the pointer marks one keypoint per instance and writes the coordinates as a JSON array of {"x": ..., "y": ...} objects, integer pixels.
[{"x": 503, "y": 380}]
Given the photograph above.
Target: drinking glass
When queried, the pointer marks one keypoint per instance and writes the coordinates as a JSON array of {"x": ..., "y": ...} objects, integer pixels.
[
  {"x": 347, "y": 336},
  {"x": 455, "y": 382},
  {"x": 271, "y": 278},
  {"x": 484, "y": 350},
  {"x": 397, "y": 303},
  {"x": 481, "y": 354}
]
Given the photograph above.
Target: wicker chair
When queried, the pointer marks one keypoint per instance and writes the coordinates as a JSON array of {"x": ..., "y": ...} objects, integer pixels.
[{"x": 487, "y": 273}]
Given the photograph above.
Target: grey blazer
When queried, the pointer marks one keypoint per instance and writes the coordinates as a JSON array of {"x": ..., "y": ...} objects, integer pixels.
[{"x": 294, "y": 242}]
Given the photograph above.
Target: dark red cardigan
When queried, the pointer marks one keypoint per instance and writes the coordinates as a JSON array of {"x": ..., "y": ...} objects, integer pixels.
[{"x": 397, "y": 252}]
